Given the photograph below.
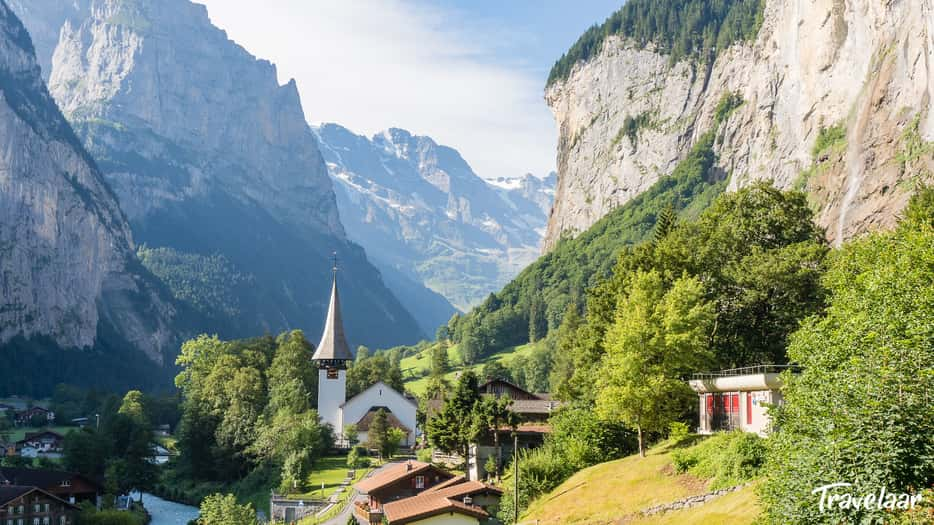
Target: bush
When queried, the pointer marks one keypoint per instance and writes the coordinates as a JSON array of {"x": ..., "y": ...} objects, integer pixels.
[
  {"x": 827, "y": 138},
  {"x": 727, "y": 459},
  {"x": 357, "y": 457},
  {"x": 424, "y": 454},
  {"x": 678, "y": 431}
]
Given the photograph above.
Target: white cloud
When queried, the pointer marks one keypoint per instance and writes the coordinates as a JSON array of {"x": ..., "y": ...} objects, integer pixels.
[{"x": 374, "y": 64}]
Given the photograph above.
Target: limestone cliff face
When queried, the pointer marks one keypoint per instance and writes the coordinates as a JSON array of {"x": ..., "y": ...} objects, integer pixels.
[
  {"x": 163, "y": 73},
  {"x": 862, "y": 64},
  {"x": 66, "y": 252},
  {"x": 212, "y": 159}
]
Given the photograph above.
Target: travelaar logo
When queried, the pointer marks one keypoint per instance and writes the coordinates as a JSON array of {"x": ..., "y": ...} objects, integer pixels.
[{"x": 875, "y": 500}]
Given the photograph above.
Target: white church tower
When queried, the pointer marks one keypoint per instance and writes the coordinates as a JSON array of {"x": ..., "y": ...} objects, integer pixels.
[{"x": 331, "y": 357}]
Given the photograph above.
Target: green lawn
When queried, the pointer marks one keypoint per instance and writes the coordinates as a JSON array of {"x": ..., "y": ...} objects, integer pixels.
[{"x": 415, "y": 368}]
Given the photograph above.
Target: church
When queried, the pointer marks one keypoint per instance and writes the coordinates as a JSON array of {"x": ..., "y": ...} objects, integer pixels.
[{"x": 332, "y": 356}]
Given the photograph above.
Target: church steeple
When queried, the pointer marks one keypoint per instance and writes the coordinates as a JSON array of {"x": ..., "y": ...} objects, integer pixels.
[{"x": 333, "y": 350}]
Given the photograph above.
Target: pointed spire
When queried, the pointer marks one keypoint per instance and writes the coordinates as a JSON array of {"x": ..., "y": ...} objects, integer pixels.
[{"x": 333, "y": 345}]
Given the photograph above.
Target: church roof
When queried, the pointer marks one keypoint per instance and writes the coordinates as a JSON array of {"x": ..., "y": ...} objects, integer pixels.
[
  {"x": 391, "y": 420},
  {"x": 333, "y": 345}
]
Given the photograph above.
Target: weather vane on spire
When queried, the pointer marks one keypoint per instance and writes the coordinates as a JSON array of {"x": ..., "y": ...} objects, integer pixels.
[{"x": 334, "y": 259}]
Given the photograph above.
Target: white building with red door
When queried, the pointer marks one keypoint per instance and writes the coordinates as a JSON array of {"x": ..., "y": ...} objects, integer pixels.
[{"x": 738, "y": 399}]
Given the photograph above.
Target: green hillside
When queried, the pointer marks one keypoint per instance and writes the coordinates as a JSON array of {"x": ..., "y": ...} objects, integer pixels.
[
  {"x": 625, "y": 487},
  {"x": 533, "y": 305},
  {"x": 416, "y": 368}
]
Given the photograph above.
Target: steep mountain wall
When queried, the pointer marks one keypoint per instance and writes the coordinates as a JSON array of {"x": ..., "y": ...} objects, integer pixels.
[
  {"x": 213, "y": 160},
  {"x": 67, "y": 262},
  {"x": 422, "y": 212},
  {"x": 628, "y": 114}
]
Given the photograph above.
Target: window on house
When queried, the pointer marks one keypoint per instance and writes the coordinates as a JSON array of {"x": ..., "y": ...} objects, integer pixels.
[
  {"x": 46, "y": 521},
  {"x": 66, "y": 482},
  {"x": 419, "y": 482}
]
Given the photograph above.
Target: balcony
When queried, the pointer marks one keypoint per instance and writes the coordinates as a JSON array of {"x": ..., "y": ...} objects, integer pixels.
[{"x": 746, "y": 379}]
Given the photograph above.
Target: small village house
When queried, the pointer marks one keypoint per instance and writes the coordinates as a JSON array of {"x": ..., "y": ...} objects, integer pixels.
[
  {"x": 41, "y": 444},
  {"x": 737, "y": 399},
  {"x": 396, "y": 482},
  {"x": 27, "y": 416},
  {"x": 68, "y": 486},
  {"x": 455, "y": 501},
  {"x": 28, "y": 505},
  {"x": 532, "y": 410}
]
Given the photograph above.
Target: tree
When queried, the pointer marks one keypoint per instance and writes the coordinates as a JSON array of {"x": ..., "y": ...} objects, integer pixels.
[
  {"x": 494, "y": 370},
  {"x": 218, "y": 509},
  {"x": 357, "y": 458},
  {"x": 440, "y": 364},
  {"x": 378, "y": 432},
  {"x": 351, "y": 434},
  {"x": 132, "y": 407},
  {"x": 659, "y": 336},
  {"x": 453, "y": 429},
  {"x": 394, "y": 438},
  {"x": 494, "y": 416},
  {"x": 538, "y": 321},
  {"x": 85, "y": 452},
  {"x": 860, "y": 411}
]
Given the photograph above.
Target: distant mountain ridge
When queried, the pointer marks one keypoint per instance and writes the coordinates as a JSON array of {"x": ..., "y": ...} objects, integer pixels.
[
  {"x": 215, "y": 166},
  {"x": 421, "y": 211}
]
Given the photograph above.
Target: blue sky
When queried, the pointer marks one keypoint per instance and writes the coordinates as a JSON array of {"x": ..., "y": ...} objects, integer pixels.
[{"x": 470, "y": 74}]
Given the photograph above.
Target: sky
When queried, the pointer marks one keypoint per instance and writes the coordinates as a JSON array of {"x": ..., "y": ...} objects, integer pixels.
[{"x": 469, "y": 73}]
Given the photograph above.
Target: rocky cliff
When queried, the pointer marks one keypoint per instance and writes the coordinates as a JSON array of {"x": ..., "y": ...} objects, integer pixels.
[
  {"x": 860, "y": 70},
  {"x": 216, "y": 168},
  {"x": 68, "y": 272},
  {"x": 422, "y": 212}
]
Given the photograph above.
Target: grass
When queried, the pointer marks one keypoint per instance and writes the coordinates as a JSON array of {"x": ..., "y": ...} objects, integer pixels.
[
  {"x": 415, "y": 368},
  {"x": 331, "y": 471},
  {"x": 605, "y": 492}
]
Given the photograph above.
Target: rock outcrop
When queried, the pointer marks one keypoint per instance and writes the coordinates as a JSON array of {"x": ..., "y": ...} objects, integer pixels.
[
  {"x": 68, "y": 270},
  {"x": 629, "y": 114},
  {"x": 212, "y": 159},
  {"x": 421, "y": 211}
]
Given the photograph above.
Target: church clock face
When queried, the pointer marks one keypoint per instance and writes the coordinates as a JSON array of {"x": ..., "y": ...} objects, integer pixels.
[{"x": 332, "y": 372}]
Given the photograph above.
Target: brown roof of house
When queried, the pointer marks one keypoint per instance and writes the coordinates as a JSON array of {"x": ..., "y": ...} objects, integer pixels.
[
  {"x": 413, "y": 509},
  {"x": 459, "y": 490},
  {"x": 364, "y": 424},
  {"x": 444, "y": 484},
  {"x": 534, "y": 406},
  {"x": 392, "y": 474},
  {"x": 9, "y": 493}
]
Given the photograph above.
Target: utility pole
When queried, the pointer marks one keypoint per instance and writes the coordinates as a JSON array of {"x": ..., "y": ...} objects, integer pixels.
[{"x": 515, "y": 477}]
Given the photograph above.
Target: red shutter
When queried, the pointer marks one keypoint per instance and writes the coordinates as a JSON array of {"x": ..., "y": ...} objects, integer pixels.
[
  {"x": 709, "y": 403},
  {"x": 734, "y": 401}
]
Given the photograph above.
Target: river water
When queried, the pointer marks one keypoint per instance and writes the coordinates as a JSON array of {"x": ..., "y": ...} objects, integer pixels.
[{"x": 166, "y": 512}]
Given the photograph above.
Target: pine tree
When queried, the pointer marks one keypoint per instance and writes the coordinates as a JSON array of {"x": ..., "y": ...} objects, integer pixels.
[
  {"x": 666, "y": 221},
  {"x": 376, "y": 435}
]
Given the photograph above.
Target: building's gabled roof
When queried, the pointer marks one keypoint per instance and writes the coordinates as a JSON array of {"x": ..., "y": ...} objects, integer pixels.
[
  {"x": 391, "y": 420},
  {"x": 396, "y": 473},
  {"x": 374, "y": 386},
  {"x": 464, "y": 488},
  {"x": 9, "y": 493},
  {"x": 38, "y": 477},
  {"x": 460, "y": 478},
  {"x": 410, "y": 510},
  {"x": 333, "y": 344},
  {"x": 37, "y": 435}
]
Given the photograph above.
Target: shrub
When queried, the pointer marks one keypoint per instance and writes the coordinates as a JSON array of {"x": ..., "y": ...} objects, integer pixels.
[
  {"x": 424, "y": 454},
  {"x": 827, "y": 138},
  {"x": 727, "y": 459},
  {"x": 678, "y": 431}
]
